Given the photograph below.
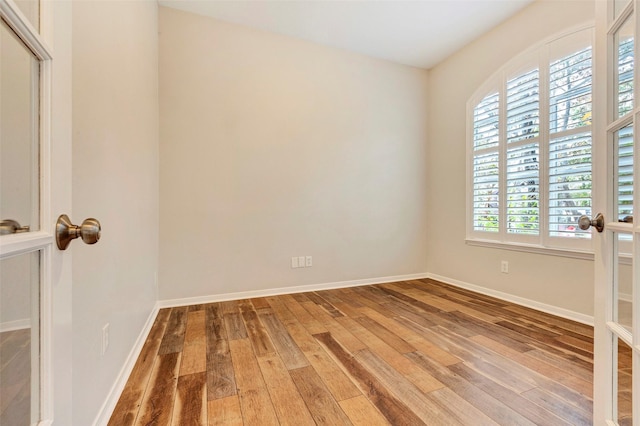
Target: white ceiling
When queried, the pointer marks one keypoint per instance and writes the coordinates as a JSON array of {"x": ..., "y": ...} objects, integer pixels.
[{"x": 420, "y": 33}]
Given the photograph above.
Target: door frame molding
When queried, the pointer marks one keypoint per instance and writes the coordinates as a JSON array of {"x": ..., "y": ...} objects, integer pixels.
[{"x": 42, "y": 241}]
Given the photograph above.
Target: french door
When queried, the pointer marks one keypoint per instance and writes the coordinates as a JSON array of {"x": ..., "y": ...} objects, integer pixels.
[
  {"x": 35, "y": 284},
  {"x": 617, "y": 237}
]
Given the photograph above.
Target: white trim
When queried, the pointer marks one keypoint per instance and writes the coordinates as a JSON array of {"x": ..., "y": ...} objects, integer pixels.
[
  {"x": 531, "y": 248},
  {"x": 171, "y": 303},
  {"x": 603, "y": 201},
  {"x": 538, "y": 306},
  {"x": 105, "y": 412},
  {"x": 621, "y": 332},
  {"x": 620, "y": 123},
  {"x": 20, "y": 324},
  {"x": 41, "y": 240},
  {"x": 24, "y": 242},
  {"x": 19, "y": 23},
  {"x": 46, "y": 336},
  {"x": 625, "y": 297}
]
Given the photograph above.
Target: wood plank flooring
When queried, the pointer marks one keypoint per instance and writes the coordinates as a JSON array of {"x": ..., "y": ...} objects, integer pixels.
[
  {"x": 404, "y": 353},
  {"x": 15, "y": 377}
]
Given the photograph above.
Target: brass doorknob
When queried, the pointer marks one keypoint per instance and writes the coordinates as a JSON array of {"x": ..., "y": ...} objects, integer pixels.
[
  {"x": 89, "y": 231},
  {"x": 584, "y": 222}
]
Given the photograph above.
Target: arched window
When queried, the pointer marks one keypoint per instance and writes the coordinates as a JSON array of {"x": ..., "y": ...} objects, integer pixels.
[{"x": 529, "y": 146}]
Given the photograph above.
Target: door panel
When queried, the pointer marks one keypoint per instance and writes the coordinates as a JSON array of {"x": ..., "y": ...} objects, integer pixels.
[
  {"x": 617, "y": 278},
  {"x": 19, "y": 131},
  {"x": 624, "y": 401},
  {"x": 20, "y": 273},
  {"x": 35, "y": 181},
  {"x": 20, "y": 339},
  {"x": 623, "y": 285},
  {"x": 624, "y": 71}
]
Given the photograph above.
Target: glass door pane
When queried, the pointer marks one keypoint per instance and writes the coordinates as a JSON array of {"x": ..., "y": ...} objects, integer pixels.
[
  {"x": 19, "y": 135},
  {"x": 616, "y": 250},
  {"x": 624, "y": 71},
  {"x": 624, "y": 384},
  {"x": 20, "y": 339},
  {"x": 623, "y": 285},
  {"x": 623, "y": 140}
]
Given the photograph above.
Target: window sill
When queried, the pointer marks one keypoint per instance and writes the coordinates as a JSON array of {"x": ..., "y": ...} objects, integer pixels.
[{"x": 532, "y": 248}]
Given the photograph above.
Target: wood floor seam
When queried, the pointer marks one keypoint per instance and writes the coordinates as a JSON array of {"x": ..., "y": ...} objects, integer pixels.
[{"x": 402, "y": 353}]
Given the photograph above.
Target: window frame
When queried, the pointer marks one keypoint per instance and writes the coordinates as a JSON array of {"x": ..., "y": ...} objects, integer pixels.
[{"x": 538, "y": 56}]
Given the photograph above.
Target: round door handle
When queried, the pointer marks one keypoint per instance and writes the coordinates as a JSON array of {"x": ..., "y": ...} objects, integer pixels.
[
  {"x": 66, "y": 231},
  {"x": 585, "y": 222},
  {"x": 10, "y": 226}
]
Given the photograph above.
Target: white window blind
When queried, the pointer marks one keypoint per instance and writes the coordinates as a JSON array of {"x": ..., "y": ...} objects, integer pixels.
[
  {"x": 486, "y": 182},
  {"x": 485, "y": 122},
  {"x": 570, "y": 81},
  {"x": 523, "y": 107},
  {"x": 569, "y": 184},
  {"x": 538, "y": 204},
  {"x": 485, "y": 192},
  {"x": 523, "y": 124},
  {"x": 625, "y": 76},
  {"x": 523, "y": 190},
  {"x": 624, "y": 136},
  {"x": 624, "y": 139}
]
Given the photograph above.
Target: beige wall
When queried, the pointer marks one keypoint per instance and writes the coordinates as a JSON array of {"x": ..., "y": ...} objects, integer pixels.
[
  {"x": 273, "y": 147},
  {"x": 115, "y": 179},
  {"x": 558, "y": 281}
]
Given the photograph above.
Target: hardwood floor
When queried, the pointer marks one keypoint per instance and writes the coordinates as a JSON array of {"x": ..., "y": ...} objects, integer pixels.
[
  {"x": 405, "y": 353},
  {"x": 15, "y": 377}
]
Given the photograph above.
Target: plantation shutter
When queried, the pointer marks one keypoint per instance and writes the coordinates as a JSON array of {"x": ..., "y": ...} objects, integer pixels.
[
  {"x": 486, "y": 178},
  {"x": 624, "y": 136},
  {"x": 625, "y": 76},
  {"x": 522, "y": 171},
  {"x": 570, "y": 81},
  {"x": 625, "y": 171}
]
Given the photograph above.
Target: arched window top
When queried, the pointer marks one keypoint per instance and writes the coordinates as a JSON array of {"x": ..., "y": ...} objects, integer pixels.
[
  {"x": 552, "y": 49},
  {"x": 529, "y": 146}
]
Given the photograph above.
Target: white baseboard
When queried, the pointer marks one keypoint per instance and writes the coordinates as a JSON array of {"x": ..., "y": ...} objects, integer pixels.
[
  {"x": 171, "y": 303},
  {"x": 550, "y": 309},
  {"x": 626, "y": 297},
  {"x": 118, "y": 386},
  {"x": 15, "y": 325}
]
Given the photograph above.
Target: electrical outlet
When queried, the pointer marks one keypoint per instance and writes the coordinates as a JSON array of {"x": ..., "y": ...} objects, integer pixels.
[
  {"x": 301, "y": 261},
  {"x": 105, "y": 338},
  {"x": 504, "y": 267}
]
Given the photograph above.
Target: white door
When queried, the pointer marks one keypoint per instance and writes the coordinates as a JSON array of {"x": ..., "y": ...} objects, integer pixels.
[
  {"x": 35, "y": 181},
  {"x": 617, "y": 246}
]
